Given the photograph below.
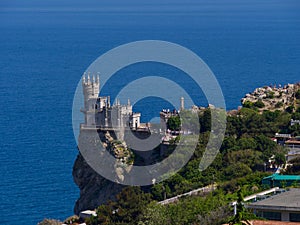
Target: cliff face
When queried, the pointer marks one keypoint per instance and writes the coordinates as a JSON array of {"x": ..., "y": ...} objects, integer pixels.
[{"x": 94, "y": 189}]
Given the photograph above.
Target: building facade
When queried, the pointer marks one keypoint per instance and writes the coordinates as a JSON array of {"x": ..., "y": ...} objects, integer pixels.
[
  {"x": 284, "y": 206},
  {"x": 100, "y": 114}
]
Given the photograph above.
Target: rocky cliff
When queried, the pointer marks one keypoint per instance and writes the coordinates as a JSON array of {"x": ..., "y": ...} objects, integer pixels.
[
  {"x": 94, "y": 189},
  {"x": 272, "y": 97}
]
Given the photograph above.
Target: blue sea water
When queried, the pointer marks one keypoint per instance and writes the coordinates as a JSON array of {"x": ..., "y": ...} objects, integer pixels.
[{"x": 46, "y": 46}]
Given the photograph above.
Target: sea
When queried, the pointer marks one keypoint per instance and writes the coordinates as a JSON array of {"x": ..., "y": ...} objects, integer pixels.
[{"x": 46, "y": 46}]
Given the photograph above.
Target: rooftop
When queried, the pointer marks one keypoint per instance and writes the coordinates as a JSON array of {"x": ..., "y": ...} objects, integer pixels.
[
  {"x": 270, "y": 222},
  {"x": 286, "y": 201},
  {"x": 277, "y": 176},
  {"x": 292, "y": 141}
]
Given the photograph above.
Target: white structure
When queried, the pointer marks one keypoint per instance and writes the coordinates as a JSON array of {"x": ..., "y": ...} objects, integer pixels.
[
  {"x": 283, "y": 206},
  {"x": 100, "y": 114},
  {"x": 294, "y": 122},
  {"x": 182, "y": 103},
  {"x": 87, "y": 214}
]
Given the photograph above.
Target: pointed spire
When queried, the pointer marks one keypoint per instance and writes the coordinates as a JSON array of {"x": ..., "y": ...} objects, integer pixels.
[
  {"x": 83, "y": 78},
  {"x": 93, "y": 78},
  {"x": 98, "y": 78},
  {"x": 108, "y": 101},
  {"x": 128, "y": 102},
  {"x": 89, "y": 79}
]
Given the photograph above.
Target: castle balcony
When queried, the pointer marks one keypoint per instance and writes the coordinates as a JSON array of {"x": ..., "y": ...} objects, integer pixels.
[
  {"x": 89, "y": 127},
  {"x": 91, "y": 110},
  {"x": 142, "y": 129},
  {"x": 99, "y": 128}
]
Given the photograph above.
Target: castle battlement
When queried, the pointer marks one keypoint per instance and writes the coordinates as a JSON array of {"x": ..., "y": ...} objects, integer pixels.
[{"x": 86, "y": 79}]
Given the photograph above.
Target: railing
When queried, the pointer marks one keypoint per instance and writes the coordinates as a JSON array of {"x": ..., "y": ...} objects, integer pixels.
[
  {"x": 92, "y": 127},
  {"x": 206, "y": 189},
  {"x": 254, "y": 196},
  {"x": 293, "y": 146}
]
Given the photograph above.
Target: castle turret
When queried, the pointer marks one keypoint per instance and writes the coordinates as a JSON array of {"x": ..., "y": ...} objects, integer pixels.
[
  {"x": 90, "y": 89},
  {"x": 182, "y": 103},
  {"x": 89, "y": 79},
  {"x": 108, "y": 101}
]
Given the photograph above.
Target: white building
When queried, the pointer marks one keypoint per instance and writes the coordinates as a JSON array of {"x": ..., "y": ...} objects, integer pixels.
[
  {"x": 294, "y": 122},
  {"x": 100, "y": 114}
]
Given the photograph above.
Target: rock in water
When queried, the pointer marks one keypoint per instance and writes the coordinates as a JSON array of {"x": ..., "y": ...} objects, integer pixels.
[{"x": 49, "y": 222}]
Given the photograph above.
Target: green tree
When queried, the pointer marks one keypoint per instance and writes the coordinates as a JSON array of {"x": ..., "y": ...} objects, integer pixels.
[
  {"x": 237, "y": 170},
  {"x": 270, "y": 94},
  {"x": 259, "y": 104},
  {"x": 297, "y": 94},
  {"x": 296, "y": 116},
  {"x": 278, "y": 104},
  {"x": 248, "y": 104},
  {"x": 265, "y": 145},
  {"x": 154, "y": 214},
  {"x": 252, "y": 122},
  {"x": 157, "y": 192},
  {"x": 234, "y": 127},
  {"x": 205, "y": 120},
  {"x": 174, "y": 123},
  {"x": 204, "y": 210},
  {"x": 130, "y": 204},
  {"x": 246, "y": 143},
  {"x": 249, "y": 157},
  {"x": 127, "y": 208},
  {"x": 271, "y": 116},
  {"x": 294, "y": 130},
  {"x": 283, "y": 121},
  {"x": 241, "y": 217},
  {"x": 279, "y": 158},
  {"x": 104, "y": 215},
  {"x": 228, "y": 143}
]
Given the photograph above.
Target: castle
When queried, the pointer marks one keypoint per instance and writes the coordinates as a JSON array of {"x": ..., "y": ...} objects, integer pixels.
[
  {"x": 100, "y": 114},
  {"x": 116, "y": 119}
]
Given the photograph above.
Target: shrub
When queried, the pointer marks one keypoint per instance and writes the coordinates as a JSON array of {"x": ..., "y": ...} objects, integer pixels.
[
  {"x": 259, "y": 104},
  {"x": 278, "y": 105},
  {"x": 270, "y": 94},
  {"x": 289, "y": 109},
  {"x": 248, "y": 104},
  {"x": 297, "y": 95}
]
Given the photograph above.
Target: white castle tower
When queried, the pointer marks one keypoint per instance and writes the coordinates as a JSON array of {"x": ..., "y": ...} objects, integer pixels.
[
  {"x": 182, "y": 103},
  {"x": 100, "y": 114},
  {"x": 90, "y": 89}
]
